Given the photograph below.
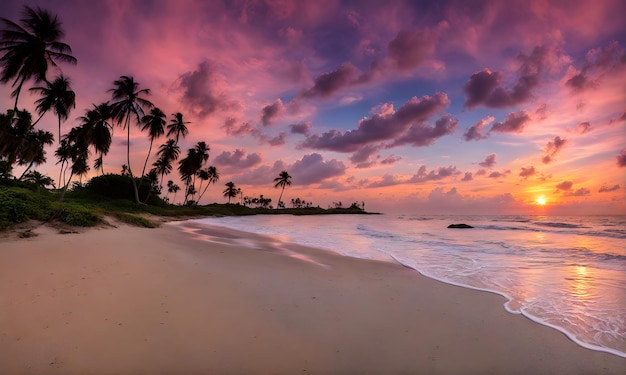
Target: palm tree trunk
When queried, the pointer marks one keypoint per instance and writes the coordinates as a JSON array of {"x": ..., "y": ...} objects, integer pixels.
[
  {"x": 61, "y": 173},
  {"x": 206, "y": 187},
  {"x": 143, "y": 172},
  {"x": 40, "y": 117},
  {"x": 26, "y": 170},
  {"x": 280, "y": 197},
  {"x": 130, "y": 172},
  {"x": 17, "y": 94},
  {"x": 59, "y": 128},
  {"x": 65, "y": 187}
]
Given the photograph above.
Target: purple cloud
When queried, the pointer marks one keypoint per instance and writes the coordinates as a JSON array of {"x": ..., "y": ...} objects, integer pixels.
[
  {"x": 498, "y": 174},
  {"x": 301, "y": 128},
  {"x": 485, "y": 87},
  {"x": 390, "y": 160},
  {"x": 387, "y": 180},
  {"x": 434, "y": 175},
  {"x": 328, "y": 83},
  {"x": 565, "y": 185},
  {"x": 527, "y": 172},
  {"x": 380, "y": 127},
  {"x": 582, "y": 192},
  {"x": 513, "y": 123},
  {"x": 489, "y": 161},
  {"x": 420, "y": 134},
  {"x": 231, "y": 127},
  {"x": 236, "y": 159},
  {"x": 410, "y": 48},
  {"x": 278, "y": 140},
  {"x": 475, "y": 132},
  {"x": 312, "y": 169},
  {"x": 552, "y": 148},
  {"x": 201, "y": 91},
  {"x": 363, "y": 157},
  {"x": 271, "y": 111},
  {"x": 467, "y": 177},
  {"x": 621, "y": 159},
  {"x": 599, "y": 61},
  {"x": 607, "y": 189}
]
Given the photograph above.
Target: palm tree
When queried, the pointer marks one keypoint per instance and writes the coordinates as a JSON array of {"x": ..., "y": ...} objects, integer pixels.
[
  {"x": 154, "y": 123},
  {"x": 96, "y": 131},
  {"x": 32, "y": 150},
  {"x": 283, "y": 179},
  {"x": 172, "y": 188},
  {"x": 39, "y": 180},
  {"x": 168, "y": 153},
  {"x": 63, "y": 153},
  {"x": 212, "y": 177},
  {"x": 178, "y": 126},
  {"x": 30, "y": 48},
  {"x": 129, "y": 101},
  {"x": 231, "y": 191},
  {"x": 58, "y": 96},
  {"x": 14, "y": 127}
]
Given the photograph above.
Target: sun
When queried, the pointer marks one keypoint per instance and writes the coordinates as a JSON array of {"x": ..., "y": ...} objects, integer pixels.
[{"x": 541, "y": 201}]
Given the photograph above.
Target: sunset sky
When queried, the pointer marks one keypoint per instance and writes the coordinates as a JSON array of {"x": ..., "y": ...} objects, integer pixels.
[{"x": 410, "y": 106}]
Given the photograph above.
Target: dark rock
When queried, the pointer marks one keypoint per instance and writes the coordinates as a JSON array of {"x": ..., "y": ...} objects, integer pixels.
[{"x": 460, "y": 226}]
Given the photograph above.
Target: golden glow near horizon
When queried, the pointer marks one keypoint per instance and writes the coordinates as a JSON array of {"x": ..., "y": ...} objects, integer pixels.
[{"x": 541, "y": 200}]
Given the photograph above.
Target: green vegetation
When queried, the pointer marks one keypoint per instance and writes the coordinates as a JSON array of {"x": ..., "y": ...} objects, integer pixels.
[{"x": 29, "y": 48}]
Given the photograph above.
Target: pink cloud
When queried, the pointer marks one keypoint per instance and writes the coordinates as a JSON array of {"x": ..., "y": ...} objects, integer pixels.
[
  {"x": 434, "y": 175},
  {"x": 621, "y": 159},
  {"x": 552, "y": 148},
  {"x": 270, "y": 112},
  {"x": 475, "y": 132},
  {"x": 514, "y": 122},
  {"x": 565, "y": 185},
  {"x": 236, "y": 160},
  {"x": 490, "y": 161},
  {"x": 527, "y": 172}
]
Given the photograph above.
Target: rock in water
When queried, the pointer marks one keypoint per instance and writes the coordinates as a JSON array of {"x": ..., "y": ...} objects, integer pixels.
[{"x": 460, "y": 226}]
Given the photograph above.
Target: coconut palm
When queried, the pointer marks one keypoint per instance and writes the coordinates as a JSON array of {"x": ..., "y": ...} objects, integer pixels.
[
  {"x": 283, "y": 179},
  {"x": 231, "y": 191},
  {"x": 168, "y": 153},
  {"x": 212, "y": 176},
  {"x": 172, "y": 188},
  {"x": 31, "y": 47},
  {"x": 128, "y": 101},
  {"x": 154, "y": 123},
  {"x": 39, "y": 180},
  {"x": 56, "y": 96},
  {"x": 96, "y": 131},
  {"x": 32, "y": 150},
  {"x": 177, "y": 126},
  {"x": 14, "y": 127}
]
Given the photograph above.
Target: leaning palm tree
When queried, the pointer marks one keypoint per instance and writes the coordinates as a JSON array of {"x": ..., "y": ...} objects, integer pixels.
[
  {"x": 231, "y": 191},
  {"x": 212, "y": 176},
  {"x": 283, "y": 179},
  {"x": 154, "y": 123},
  {"x": 31, "y": 47},
  {"x": 178, "y": 126},
  {"x": 128, "y": 101},
  {"x": 101, "y": 134},
  {"x": 56, "y": 96}
]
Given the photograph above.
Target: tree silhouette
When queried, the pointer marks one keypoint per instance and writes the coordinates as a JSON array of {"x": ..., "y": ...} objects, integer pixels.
[
  {"x": 283, "y": 179},
  {"x": 39, "y": 180},
  {"x": 212, "y": 176},
  {"x": 154, "y": 123},
  {"x": 30, "y": 48},
  {"x": 177, "y": 126},
  {"x": 56, "y": 96},
  {"x": 231, "y": 191},
  {"x": 128, "y": 101}
]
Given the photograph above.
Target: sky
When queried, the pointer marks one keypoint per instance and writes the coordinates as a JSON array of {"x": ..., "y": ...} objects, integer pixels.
[{"x": 434, "y": 107}]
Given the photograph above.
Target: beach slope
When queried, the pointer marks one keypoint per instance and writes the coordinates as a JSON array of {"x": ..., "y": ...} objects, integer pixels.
[{"x": 129, "y": 300}]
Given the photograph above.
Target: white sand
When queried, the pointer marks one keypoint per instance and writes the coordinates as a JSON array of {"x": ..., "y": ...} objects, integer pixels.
[{"x": 155, "y": 301}]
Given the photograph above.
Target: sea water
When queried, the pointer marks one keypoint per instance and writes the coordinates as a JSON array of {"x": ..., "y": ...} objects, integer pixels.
[{"x": 568, "y": 273}]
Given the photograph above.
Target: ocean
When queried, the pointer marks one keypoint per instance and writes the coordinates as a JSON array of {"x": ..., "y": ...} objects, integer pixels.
[{"x": 568, "y": 273}]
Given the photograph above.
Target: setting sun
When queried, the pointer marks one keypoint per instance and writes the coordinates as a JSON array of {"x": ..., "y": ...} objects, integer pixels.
[{"x": 541, "y": 201}]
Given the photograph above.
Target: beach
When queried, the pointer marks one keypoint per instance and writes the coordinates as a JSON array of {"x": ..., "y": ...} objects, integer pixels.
[{"x": 129, "y": 300}]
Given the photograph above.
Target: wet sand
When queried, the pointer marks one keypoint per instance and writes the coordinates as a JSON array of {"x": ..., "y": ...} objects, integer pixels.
[{"x": 130, "y": 300}]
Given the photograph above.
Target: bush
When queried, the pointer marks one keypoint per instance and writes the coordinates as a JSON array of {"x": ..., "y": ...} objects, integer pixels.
[
  {"x": 76, "y": 215},
  {"x": 18, "y": 205}
]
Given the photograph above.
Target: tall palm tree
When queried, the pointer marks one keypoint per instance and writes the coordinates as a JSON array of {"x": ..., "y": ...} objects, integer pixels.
[
  {"x": 58, "y": 96},
  {"x": 14, "y": 127},
  {"x": 177, "y": 126},
  {"x": 63, "y": 153},
  {"x": 96, "y": 131},
  {"x": 283, "y": 179},
  {"x": 212, "y": 176},
  {"x": 31, "y": 47},
  {"x": 231, "y": 191},
  {"x": 128, "y": 101},
  {"x": 154, "y": 123}
]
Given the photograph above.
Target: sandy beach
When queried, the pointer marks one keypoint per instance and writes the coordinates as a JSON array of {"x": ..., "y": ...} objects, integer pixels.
[{"x": 126, "y": 300}]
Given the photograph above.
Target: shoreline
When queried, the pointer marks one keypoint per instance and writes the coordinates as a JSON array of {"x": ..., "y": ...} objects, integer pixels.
[{"x": 131, "y": 300}]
